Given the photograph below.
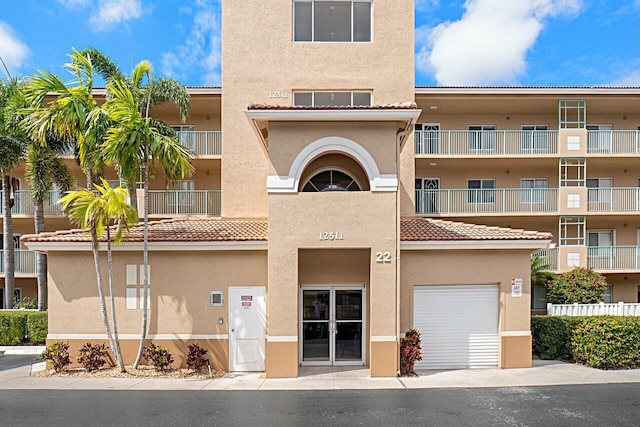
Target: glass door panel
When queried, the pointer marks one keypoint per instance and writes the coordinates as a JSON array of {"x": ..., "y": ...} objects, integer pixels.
[{"x": 315, "y": 324}]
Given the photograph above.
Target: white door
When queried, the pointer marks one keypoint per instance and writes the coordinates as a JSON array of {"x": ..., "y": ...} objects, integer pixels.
[
  {"x": 247, "y": 328},
  {"x": 459, "y": 325},
  {"x": 332, "y": 325}
]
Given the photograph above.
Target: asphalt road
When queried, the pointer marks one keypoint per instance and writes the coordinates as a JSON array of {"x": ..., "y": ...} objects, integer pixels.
[{"x": 589, "y": 405}]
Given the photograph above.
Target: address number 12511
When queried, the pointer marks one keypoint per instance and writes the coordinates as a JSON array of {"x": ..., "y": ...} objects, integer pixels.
[{"x": 331, "y": 235}]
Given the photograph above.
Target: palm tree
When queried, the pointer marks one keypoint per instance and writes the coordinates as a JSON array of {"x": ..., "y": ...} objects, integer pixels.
[
  {"x": 98, "y": 213},
  {"x": 43, "y": 169},
  {"x": 12, "y": 144},
  {"x": 132, "y": 144},
  {"x": 539, "y": 270}
]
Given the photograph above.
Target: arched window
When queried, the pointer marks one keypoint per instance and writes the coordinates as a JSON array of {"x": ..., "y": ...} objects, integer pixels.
[{"x": 331, "y": 180}]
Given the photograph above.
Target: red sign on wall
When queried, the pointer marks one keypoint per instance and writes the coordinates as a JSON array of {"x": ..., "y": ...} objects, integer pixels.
[{"x": 246, "y": 298}]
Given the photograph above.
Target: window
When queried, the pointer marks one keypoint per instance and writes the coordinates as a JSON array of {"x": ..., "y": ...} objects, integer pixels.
[
  {"x": 330, "y": 180},
  {"x": 599, "y": 138},
  {"x": 332, "y": 98},
  {"x": 572, "y": 172},
  {"x": 181, "y": 193},
  {"x": 534, "y": 190},
  {"x": 608, "y": 294},
  {"x": 599, "y": 190},
  {"x": 134, "y": 286},
  {"x": 535, "y": 138},
  {"x": 17, "y": 297},
  {"x": 186, "y": 136},
  {"x": 572, "y": 231},
  {"x": 539, "y": 297},
  {"x": 481, "y": 190},
  {"x": 427, "y": 136},
  {"x": 332, "y": 21},
  {"x": 216, "y": 298},
  {"x": 427, "y": 195},
  {"x": 482, "y": 137},
  {"x": 600, "y": 243}
]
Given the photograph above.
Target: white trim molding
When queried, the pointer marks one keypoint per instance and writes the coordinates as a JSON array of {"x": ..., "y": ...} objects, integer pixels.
[
  {"x": 515, "y": 333},
  {"x": 473, "y": 244},
  {"x": 282, "y": 338},
  {"x": 332, "y": 144},
  {"x": 137, "y": 336},
  {"x": 384, "y": 338},
  {"x": 335, "y": 115}
]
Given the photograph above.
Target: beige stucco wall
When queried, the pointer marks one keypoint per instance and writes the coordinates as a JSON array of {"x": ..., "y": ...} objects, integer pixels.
[{"x": 259, "y": 56}]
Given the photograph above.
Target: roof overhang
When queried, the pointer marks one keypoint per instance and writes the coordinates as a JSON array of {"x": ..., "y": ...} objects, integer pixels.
[
  {"x": 559, "y": 91},
  {"x": 248, "y": 245},
  {"x": 438, "y": 245}
]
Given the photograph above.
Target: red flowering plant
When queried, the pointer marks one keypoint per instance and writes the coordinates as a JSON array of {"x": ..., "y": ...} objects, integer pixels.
[
  {"x": 580, "y": 285},
  {"x": 410, "y": 351}
]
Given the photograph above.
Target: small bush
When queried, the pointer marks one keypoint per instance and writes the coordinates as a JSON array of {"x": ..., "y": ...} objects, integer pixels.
[
  {"x": 580, "y": 285},
  {"x": 410, "y": 351},
  {"x": 159, "y": 356},
  {"x": 37, "y": 327},
  {"x": 607, "y": 342},
  {"x": 13, "y": 327},
  {"x": 197, "y": 357},
  {"x": 27, "y": 303},
  {"x": 92, "y": 356},
  {"x": 58, "y": 355},
  {"x": 551, "y": 336}
]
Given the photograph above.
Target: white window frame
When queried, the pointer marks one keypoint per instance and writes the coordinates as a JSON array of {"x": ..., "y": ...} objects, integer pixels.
[
  {"x": 602, "y": 251},
  {"x": 483, "y": 138},
  {"x": 427, "y": 138},
  {"x": 534, "y": 196},
  {"x": 535, "y": 138},
  {"x": 314, "y": 92},
  {"x": 313, "y": 36},
  {"x": 186, "y": 139},
  {"x": 482, "y": 195},
  {"x": 212, "y": 303},
  {"x": 608, "y": 294}
]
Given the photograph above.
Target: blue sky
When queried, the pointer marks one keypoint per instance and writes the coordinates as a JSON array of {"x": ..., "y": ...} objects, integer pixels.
[{"x": 458, "y": 42}]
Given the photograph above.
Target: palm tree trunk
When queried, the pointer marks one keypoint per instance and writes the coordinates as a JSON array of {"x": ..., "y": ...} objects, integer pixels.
[
  {"x": 133, "y": 196},
  {"x": 41, "y": 259},
  {"x": 8, "y": 253},
  {"x": 116, "y": 340},
  {"x": 145, "y": 257},
  {"x": 103, "y": 307}
]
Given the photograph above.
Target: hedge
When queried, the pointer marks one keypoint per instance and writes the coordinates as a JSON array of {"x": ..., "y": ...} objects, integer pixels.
[
  {"x": 17, "y": 326},
  {"x": 605, "y": 342}
]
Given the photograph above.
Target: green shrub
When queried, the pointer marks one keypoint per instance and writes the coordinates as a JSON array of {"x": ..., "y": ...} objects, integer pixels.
[
  {"x": 37, "y": 327},
  {"x": 551, "y": 335},
  {"x": 13, "y": 327},
  {"x": 607, "y": 342},
  {"x": 580, "y": 285}
]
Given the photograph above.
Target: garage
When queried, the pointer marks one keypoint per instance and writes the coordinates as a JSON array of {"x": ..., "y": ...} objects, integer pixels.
[{"x": 459, "y": 325}]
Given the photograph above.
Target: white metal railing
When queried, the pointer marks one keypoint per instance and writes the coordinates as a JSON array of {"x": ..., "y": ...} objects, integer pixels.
[
  {"x": 202, "y": 142},
  {"x": 486, "y": 143},
  {"x": 615, "y": 309},
  {"x": 184, "y": 202},
  {"x": 549, "y": 257},
  {"x": 498, "y": 200},
  {"x": 25, "y": 261},
  {"x": 613, "y": 141},
  {"x": 615, "y": 199},
  {"x": 23, "y": 203},
  {"x": 613, "y": 257}
]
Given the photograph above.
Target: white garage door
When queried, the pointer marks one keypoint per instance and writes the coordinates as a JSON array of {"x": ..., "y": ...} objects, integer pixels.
[{"x": 459, "y": 325}]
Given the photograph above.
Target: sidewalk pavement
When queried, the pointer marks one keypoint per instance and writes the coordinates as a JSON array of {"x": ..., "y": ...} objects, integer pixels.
[{"x": 543, "y": 373}]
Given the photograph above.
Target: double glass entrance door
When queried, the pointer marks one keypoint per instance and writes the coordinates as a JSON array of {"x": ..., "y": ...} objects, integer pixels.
[{"x": 332, "y": 325}]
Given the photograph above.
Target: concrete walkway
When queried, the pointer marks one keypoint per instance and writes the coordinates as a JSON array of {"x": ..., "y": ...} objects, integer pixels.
[{"x": 543, "y": 373}]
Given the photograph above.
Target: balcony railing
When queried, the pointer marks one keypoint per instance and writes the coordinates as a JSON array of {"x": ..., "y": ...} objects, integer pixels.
[
  {"x": 623, "y": 258},
  {"x": 549, "y": 257},
  {"x": 25, "y": 261},
  {"x": 486, "y": 143},
  {"x": 23, "y": 203},
  {"x": 202, "y": 142},
  {"x": 188, "y": 202},
  {"x": 487, "y": 201},
  {"x": 613, "y": 141},
  {"x": 613, "y": 199}
]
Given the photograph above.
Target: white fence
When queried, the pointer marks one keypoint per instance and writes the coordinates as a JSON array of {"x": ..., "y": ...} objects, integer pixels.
[
  {"x": 187, "y": 202},
  {"x": 617, "y": 309},
  {"x": 613, "y": 257},
  {"x": 618, "y": 199},
  {"x": 486, "y": 142},
  {"x": 613, "y": 141},
  {"x": 24, "y": 260},
  {"x": 549, "y": 257},
  {"x": 23, "y": 203},
  {"x": 202, "y": 142}
]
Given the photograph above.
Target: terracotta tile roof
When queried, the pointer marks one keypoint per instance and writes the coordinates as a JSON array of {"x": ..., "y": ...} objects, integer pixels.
[
  {"x": 426, "y": 229},
  {"x": 174, "y": 230},
  {"x": 397, "y": 106}
]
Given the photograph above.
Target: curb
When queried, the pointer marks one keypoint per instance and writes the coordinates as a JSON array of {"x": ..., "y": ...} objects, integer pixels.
[{"x": 21, "y": 350}]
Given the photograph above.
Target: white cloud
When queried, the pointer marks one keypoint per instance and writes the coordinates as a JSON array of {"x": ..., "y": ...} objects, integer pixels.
[
  {"x": 200, "y": 52},
  {"x": 630, "y": 79},
  {"x": 425, "y": 5},
  {"x": 13, "y": 51},
  {"x": 488, "y": 45},
  {"x": 74, "y": 3},
  {"x": 112, "y": 12}
]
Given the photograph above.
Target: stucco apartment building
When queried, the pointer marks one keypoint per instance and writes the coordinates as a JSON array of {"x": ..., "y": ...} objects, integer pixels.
[{"x": 336, "y": 205}]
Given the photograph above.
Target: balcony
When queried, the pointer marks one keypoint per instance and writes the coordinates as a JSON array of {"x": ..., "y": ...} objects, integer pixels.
[
  {"x": 25, "y": 262},
  {"x": 202, "y": 143},
  {"x": 23, "y": 204},
  {"x": 486, "y": 143},
  {"x": 614, "y": 258},
  {"x": 487, "y": 201},
  {"x": 549, "y": 257},
  {"x": 613, "y": 142},
  {"x": 188, "y": 202},
  {"x": 613, "y": 199}
]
